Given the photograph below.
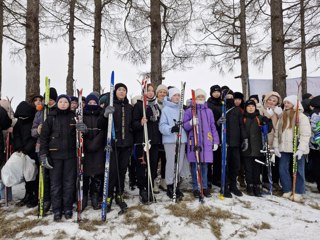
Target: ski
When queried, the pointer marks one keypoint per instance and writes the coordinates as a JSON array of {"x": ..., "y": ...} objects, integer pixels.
[
  {"x": 108, "y": 149},
  {"x": 178, "y": 144},
  {"x": 147, "y": 145},
  {"x": 41, "y": 168},
  {"x": 196, "y": 145},
  {"x": 295, "y": 145},
  {"x": 80, "y": 156},
  {"x": 223, "y": 148}
]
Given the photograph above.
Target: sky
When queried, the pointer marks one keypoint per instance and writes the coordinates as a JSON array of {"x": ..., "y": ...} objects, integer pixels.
[{"x": 54, "y": 59}]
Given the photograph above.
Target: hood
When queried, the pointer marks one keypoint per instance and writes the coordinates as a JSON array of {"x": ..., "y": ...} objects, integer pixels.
[
  {"x": 272, "y": 93},
  {"x": 25, "y": 110},
  {"x": 168, "y": 103}
]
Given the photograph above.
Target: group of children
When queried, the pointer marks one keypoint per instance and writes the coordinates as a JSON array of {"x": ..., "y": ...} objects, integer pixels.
[{"x": 52, "y": 143}]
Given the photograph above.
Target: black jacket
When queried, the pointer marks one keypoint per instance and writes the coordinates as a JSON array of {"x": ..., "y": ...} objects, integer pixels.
[
  {"x": 122, "y": 118},
  {"x": 5, "y": 123},
  {"x": 58, "y": 135},
  {"x": 94, "y": 143},
  {"x": 153, "y": 124},
  {"x": 22, "y": 139},
  {"x": 215, "y": 104},
  {"x": 236, "y": 132}
]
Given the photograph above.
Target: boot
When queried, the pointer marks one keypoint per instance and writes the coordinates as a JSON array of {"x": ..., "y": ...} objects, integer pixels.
[
  {"x": 287, "y": 195},
  {"x": 163, "y": 185},
  {"x": 196, "y": 193},
  {"x": 250, "y": 190},
  {"x": 33, "y": 201},
  {"x": 234, "y": 189},
  {"x": 57, "y": 216},
  {"x": 143, "y": 196},
  {"x": 226, "y": 193},
  {"x": 95, "y": 201},
  {"x": 155, "y": 187},
  {"x": 68, "y": 214},
  {"x": 120, "y": 202},
  {"x": 179, "y": 194},
  {"x": 170, "y": 191},
  {"x": 257, "y": 190},
  {"x": 206, "y": 193},
  {"x": 24, "y": 200},
  {"x": 46, "y": 206}
]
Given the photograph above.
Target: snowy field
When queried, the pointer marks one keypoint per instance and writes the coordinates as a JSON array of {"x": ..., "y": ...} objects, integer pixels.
[{"x": 269, "y": 217}]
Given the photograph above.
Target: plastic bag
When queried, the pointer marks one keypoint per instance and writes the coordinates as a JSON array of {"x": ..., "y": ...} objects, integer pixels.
[
  {"x": 30, "y": 169},
  {"x": 12, "y": 171}
]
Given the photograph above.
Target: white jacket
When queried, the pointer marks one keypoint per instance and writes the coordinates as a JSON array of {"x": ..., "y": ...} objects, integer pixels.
[{"x": 284, "y": 140}]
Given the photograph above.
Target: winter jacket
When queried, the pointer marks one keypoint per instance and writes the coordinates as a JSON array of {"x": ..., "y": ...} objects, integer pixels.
[
  {"x": 5, "y": 123},
  {"x": 284, "y": 140},
  {"x": 170, "y": 112},
  {"x": 253, "y": 123},
  {"x": 122, "y": 118},
  {"x": 22, "y": 139},
  {"x": 58, "y": 135},
  {"x": 207, "y": 133},
  {"x": 215, "y": 104},
  {"x": 314, "y": 120},
  {"x": 94, "y": 143},
  {"x": 153, "y": 117},
  {"x": 274, "y": 118},
  {"x": 236, "y": 132}
]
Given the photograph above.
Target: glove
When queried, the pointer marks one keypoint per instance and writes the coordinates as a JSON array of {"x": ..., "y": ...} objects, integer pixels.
[
  {"x": 244, "y": 145},
  {"x": 270, "y": 112},
  {"x": 39, "y": 129},
  {"x": 221, "y": 121},
  {"x": 298, "y": 154},
  {"x": 194, "y": 121},
  {"x": 175, "y": 129},
  {"x": 278, "y": 110},
  {"x": 44, "y": 162},
  {"x": 277, "y": 153},
  {"x": 215, "y": 147},
  {"x": 81, "y": 127},
  {"x": 108, "y": 110}
]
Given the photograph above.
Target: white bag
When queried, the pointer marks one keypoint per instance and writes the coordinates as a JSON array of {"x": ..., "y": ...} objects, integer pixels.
[
  {"x": 12, "y": 171},
  {"x": 30, "y": 169}
]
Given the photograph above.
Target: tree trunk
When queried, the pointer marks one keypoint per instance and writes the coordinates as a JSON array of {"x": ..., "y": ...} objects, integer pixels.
[
  {"x": 244, "y": 51},
  {"x": 70, "y": 80},
  {"x": 1, "y": 44},
  {"x": 97, "y": 45},
  {"x": 155, "y": 18},
  {"x": 277, "y": 43},
  {"x": 303, "y": 50},
  {"x": 32, "y": 50}
]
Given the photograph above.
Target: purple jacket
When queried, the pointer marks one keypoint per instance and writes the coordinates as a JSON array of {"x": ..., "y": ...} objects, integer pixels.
[{"x": 207, "y": 134}]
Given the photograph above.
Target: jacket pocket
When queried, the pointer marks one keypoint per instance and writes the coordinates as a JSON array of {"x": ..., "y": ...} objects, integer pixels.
[{"x": 54, "y": 142}]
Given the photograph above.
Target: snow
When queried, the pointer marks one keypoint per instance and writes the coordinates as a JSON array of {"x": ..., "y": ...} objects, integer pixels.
[{"x": 268, "y": 217}]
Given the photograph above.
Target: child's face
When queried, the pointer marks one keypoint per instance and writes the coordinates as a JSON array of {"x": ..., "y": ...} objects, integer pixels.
[
  {"x": 237, "y": 102},
  {"x": 250, "y": 108},
  {"x": 121, "y": 93},
  {"x": 175, "y": 98},
  {"x": 74, "y": 105},
  {"x": 216, "y": 94},
  {"x": 92, "y": 102},
  {"x": 63, "y": 104},
  {"x": 150, "y": 92},
  {"x": 37, "y": 101},
  {"x": 229, "y": 96},
  {"x": 200, "y": 98},
  {"x": 161, "y": 94},
  {"x": 287, "y": 105},
  {"x": 272, "y": 102},
  {"x": 52, "y": 102}
]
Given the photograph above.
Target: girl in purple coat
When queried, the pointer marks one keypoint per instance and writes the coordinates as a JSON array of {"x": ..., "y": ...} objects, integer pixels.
[{"x": 208, "y": 140}]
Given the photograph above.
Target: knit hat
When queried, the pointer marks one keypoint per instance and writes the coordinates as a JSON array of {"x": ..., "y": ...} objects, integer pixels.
[
  {"x": 53, "y": 94},
  {"x": 173, "y": 91},
  {"x": 224, "y": 88},
  {"x": 63, "y": 96},
  {"x": 255, "y": 96},
  {"x": 238, "y": 95},
  {"x": 250, "y": 102},
  {"x": 95, "y": 93},
  {"x": 104, "y": 98},
  {"x": 315, "y": 102},
  {"x": 36, "y": 96},
  {"x": 292, "y": 99},
  {"x": 92, "y": 97},
  {"x": 118, "y": 85},
  {"x": 73, "y": 99},
  {"x": 161, "y": 87},
  {"x": 199, "y": 92},
  {"x": 215, "y": 88},
  {"x": 306, "y": 96}
]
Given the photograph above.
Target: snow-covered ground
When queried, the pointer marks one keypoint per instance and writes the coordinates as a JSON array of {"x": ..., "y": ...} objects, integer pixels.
[{"x": 269, "y": 217}]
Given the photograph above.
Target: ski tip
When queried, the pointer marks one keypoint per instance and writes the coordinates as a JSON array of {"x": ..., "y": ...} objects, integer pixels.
[{"x": 112, "y": 77}]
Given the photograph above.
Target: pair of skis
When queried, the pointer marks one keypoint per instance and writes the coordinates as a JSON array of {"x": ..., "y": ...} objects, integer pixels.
[
  {"x": 178, "y": 144},
  {"x": 41, "y": 168}
]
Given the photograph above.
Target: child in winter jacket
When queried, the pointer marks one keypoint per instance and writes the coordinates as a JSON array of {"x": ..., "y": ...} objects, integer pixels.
[
  {"x": 169, "y": 127},
  {"x": 283, "y": 146},
  {"x": 58, "y": 153},
  {"x": 208, "y": 140},
  {"x": 253, "y": 122},
  {"x": 314, "y": 155}
]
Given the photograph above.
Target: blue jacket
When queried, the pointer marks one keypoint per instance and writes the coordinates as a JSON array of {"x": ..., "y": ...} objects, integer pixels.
[{"x": 170, "y": 112}]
